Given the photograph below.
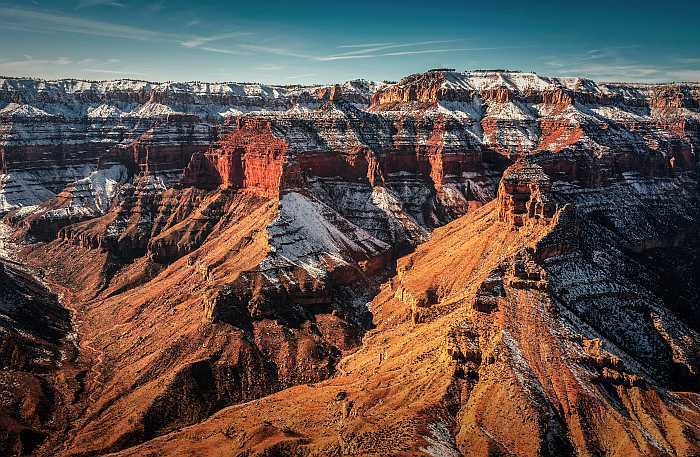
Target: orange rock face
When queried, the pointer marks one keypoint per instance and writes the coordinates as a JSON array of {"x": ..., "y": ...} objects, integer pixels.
[
  {"x": 524, "y": 195},
  {"x": 249, "y": 158},
  {"x": 422, "y": 89},
  {"x": 558, "y": 135}
]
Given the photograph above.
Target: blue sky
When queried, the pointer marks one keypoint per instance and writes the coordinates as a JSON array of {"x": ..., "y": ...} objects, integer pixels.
[{"x": 327, "y": 41}]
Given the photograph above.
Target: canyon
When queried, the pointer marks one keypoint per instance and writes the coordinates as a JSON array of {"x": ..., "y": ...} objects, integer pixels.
[{"x": 485, "y": 262}]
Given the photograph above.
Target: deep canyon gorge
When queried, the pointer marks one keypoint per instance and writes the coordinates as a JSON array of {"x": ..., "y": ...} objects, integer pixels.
[{"x": 458, "y": 263}]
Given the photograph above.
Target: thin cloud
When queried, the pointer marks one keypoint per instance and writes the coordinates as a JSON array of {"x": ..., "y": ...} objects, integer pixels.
[
  {"x": 617, "y": 70},
  {"x": 632, "y": 72},
  {"x": 49, "y": 22},
  {"x": 157, "y": 7},
  {"x": 553, "y": 63},
  {"x": 612, "y": 64},
  {"x": 269, "y": 67},
  {"x": 30, "y": 61},
  {"x": 200, "y": 41},
  {"x": 684, "y": 75},
  {"x": 34, "y": 67},
  {"x": 614, "y": 71},
  {"x": 232, "y": 52},
  {"x": 305, "y": 75},
  {"x": 367, "y": 45},
  {"x": 277, "y": 51},
  {"x": 45, "y": 22},
  {"x": 375, "y": 49},
  {"x": 90, "y": 3},
  {"x": 97, "y": 63},
  {"x": 434, "y": 51},
  {"x": 411, "y": 52},
  {"x": 37, "y": 66},
  {"x": 357, "y": 56},
  {"x": 688, "y": 60}
]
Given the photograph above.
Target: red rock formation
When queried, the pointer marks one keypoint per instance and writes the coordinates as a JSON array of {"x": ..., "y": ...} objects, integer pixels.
[
  {"x": 559, "y": 134},
  {"x": 498, "y": 95},
  {"x": 421, "y": 88},
  {"x": 559, "y": 98},
  {"x": 250, "y": 158},
  {"x": 524, "y": 195}
]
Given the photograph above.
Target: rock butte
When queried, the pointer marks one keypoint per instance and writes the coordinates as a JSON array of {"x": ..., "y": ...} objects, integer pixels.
[{"x": 477, "y": 263}]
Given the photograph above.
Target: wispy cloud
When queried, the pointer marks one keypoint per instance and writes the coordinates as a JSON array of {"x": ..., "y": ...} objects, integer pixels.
[
  {"x": 30, "y": 66},
  {"x": 611, "y": 64},
  {"x": 360, "y": 51},
  {"x": 156, "y": 7},
  {"x": 409, "y": 52},
  {"x": 684, "y": 75},
  {"x": 372, "y": 50},
  {"x": 40, "y": 21},
  {"x": 277, "y": 51},
  {"x": 629, "y": 72},
  {"x": 36, "y": 20},
  {"x": 30, "y": 61},
  {"x": 232, "y": 52},
  {"x": 688, "y": 60},
  {"x": 202, "y": 40},
  {"x": 52, "y": 22},
  {"x": 89, "y": 3},
  {"x": 432, "y": 51},
  {"x": 366, "y": 45}
]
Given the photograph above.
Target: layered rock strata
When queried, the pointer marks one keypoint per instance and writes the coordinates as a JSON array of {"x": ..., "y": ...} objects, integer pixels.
[{"x": 222, "y": 243}]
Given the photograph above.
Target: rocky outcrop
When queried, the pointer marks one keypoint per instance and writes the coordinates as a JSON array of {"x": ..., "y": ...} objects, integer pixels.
[
  {"x": 524, "y": 195},
  {"x": 460, "y": 128},
  {"x": 250, "y": 158},
  {"x": 420, "y": 90},
  {"x": 144, "y": 210}
]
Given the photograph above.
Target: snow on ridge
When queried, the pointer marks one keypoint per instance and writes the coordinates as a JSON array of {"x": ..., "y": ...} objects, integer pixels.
[
  {"x": 440, "y": 442},
  {"x": 522, "y": 81},
  {"x": 64, "y": 87},
  {"x": 308, "y": 234},
  {"x": 104, "y": 111},
  {"x": 513, "y": 80},
  {"x": 509, "y": 111},
  {"x": 21, "y": 189},
  {"x": 78, "y": 99},
  {"x": 98, "y": 189},
  {"x": 22, "y": 110}
]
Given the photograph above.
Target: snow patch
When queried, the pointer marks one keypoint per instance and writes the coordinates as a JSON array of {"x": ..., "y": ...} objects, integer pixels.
[
  {"x": 441, "y": 443},
  {"x": 313, "y": 236}
]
